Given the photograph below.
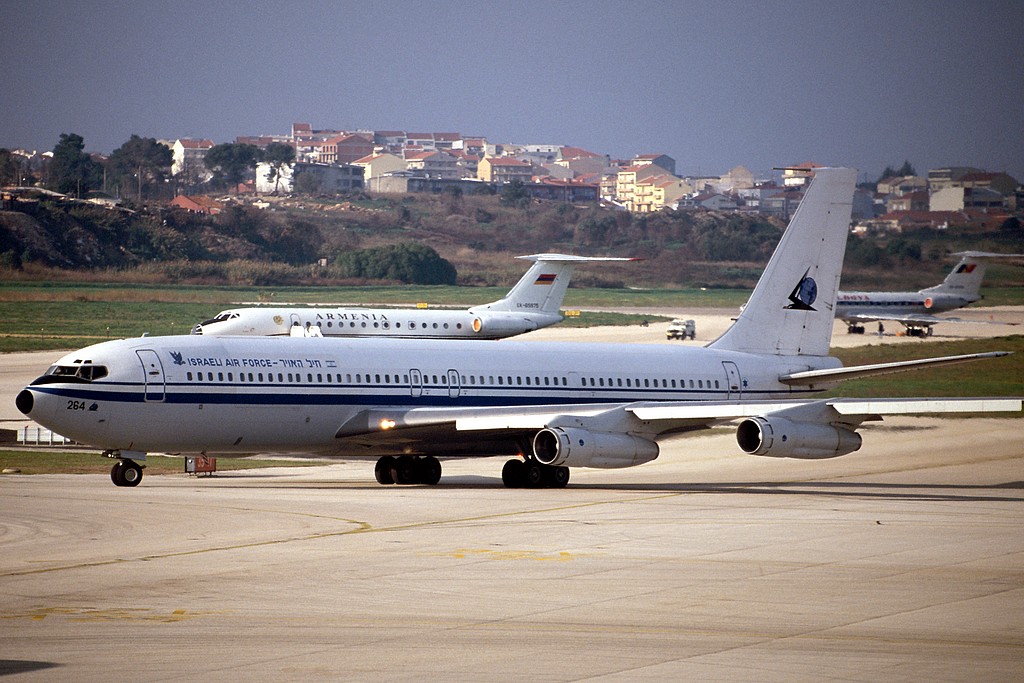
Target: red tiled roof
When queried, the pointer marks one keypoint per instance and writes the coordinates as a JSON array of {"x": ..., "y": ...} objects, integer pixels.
[{"x": 577, "y": 153}]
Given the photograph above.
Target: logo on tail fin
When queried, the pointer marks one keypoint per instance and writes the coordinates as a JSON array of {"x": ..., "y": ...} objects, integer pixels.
[
  {"x": 804, "y": 294},
  {"x": 966, "y": 268},
  {"x": 545, "y": 279}
]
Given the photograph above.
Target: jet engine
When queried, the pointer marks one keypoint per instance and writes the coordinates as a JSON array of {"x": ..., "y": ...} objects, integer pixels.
[
  {"x": 573, "y": 447},
  {"x": 778, "y": 437},
  {"x": 496, "y": 324}
]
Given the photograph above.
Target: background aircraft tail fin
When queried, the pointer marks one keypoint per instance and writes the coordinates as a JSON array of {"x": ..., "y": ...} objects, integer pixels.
[
  {"x": 543, "y": 287},
  {"x": 965, "y": 278},
  {"x": 790, "y": 311}
]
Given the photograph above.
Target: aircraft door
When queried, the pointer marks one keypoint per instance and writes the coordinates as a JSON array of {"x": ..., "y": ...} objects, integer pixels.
[
  {"x": 416, "y": 382},
  {"x": 453, "y": 383},
  {"x": 153, "y": 370},
  {"x": 732, "y": 379}
]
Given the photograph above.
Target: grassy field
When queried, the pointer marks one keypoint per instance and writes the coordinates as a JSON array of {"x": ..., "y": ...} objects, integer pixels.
[{"x": 994, "y": 377}]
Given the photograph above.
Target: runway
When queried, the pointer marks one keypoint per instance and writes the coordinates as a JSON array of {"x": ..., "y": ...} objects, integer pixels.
[{"x": 904, "y": 561}]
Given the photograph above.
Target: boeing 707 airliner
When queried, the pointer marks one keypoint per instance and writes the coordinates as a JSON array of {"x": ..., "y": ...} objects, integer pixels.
[{"x": 552, "y": 406}]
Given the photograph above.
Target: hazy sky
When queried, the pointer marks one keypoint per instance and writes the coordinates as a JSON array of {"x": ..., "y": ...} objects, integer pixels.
[{"x": 712, "y": 84}]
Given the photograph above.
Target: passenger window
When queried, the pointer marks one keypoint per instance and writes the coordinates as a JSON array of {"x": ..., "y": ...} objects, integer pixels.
[
  {"x": 716, "y": 384},
  {"x": 376, "y": 378},
  {"x": 189, "y": 375},
  {"x": 260, "y": 377}
]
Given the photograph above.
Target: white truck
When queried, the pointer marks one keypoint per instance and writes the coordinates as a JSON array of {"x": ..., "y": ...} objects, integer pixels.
[{"x": 681, "y": 329}]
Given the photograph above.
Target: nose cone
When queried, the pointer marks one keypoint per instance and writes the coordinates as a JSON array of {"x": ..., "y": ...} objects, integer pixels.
[{"x": 25, "y": 401}]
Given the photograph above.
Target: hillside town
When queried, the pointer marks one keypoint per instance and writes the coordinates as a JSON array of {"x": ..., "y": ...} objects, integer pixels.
[{"x": 329, "y": 161}]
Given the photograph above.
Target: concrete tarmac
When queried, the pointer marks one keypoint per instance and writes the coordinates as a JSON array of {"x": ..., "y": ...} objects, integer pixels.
[{"x": 903, "y": 561}]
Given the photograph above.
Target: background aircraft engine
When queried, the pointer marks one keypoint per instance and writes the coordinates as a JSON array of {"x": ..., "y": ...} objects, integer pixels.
[
  {"x": 574, "y": 447},
  {"x": 781, "y": 438},
  {"x": 499, "y": 323}
]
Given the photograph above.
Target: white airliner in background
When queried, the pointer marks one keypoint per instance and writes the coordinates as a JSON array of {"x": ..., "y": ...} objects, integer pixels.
[
  {"x": 916, "y": 310},
  {"x": 531, "y": 304},
  {"x": 553, "y": 405}
]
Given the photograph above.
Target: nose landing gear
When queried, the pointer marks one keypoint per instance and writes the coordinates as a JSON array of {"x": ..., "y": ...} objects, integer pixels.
[{"x": 125, "y": 472}]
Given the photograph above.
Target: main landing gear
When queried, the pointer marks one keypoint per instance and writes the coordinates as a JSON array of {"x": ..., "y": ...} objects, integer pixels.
[
  {"x": 407, "y": 469},
  {"x": 126, "y": 473},
  {"x": 518, "y": 474}
]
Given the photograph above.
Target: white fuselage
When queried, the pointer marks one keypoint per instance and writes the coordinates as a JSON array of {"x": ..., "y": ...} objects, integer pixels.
[
  {"x": 375, "y": 322},
  {"x": 259, "y": 394},
  {"x": 882, "y": 304}
]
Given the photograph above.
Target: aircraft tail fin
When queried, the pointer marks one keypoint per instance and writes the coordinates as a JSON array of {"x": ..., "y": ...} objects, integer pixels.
[
  {"x": 790, "y": 311},
  {"x": 965, "y": 278},
  {"x": 543, "y": 287}
]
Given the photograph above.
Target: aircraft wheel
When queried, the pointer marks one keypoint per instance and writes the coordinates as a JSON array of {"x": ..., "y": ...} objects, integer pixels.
[
  {"x": 131, "y": 473},
  {"x": 382, "y": 470},
  {"x": 116, "y": 473},
  {"x": 534, "y": 475},
  {"x": 430, "y": 471},
  {"x": 404, "y": 470},
  {"x": 557, "y": 477},
  {"x": 513, "y": 474}
]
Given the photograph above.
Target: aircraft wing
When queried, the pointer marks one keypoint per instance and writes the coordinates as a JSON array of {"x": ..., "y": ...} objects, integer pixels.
[{"x": 508, "y": 430}]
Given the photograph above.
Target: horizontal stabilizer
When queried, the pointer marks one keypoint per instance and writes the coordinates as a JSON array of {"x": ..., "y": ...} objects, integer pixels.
[{"x": 853, "y": 372}]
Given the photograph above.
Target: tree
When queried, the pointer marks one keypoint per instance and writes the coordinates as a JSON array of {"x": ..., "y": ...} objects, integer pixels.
[
  {"x": 277, "y": 155},
  {"x": 231, "y": 162},
  {"x": 515, "y": 194},
  {"x": 406, "y": 262},
  {"x": 10, "y": 168},
  {"x": 903, "y": 171},
  {"x": 142, "y": 160},
  {"x": 72, "y": 171}
]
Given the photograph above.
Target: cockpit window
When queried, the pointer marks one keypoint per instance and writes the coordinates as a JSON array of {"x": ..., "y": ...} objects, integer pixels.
[
  {"x": 220, "y": 317},
  {"x": 87, "y": 371}
]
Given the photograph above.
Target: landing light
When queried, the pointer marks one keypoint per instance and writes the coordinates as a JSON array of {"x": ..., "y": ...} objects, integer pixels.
[{"x": 387, "y": 424}]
